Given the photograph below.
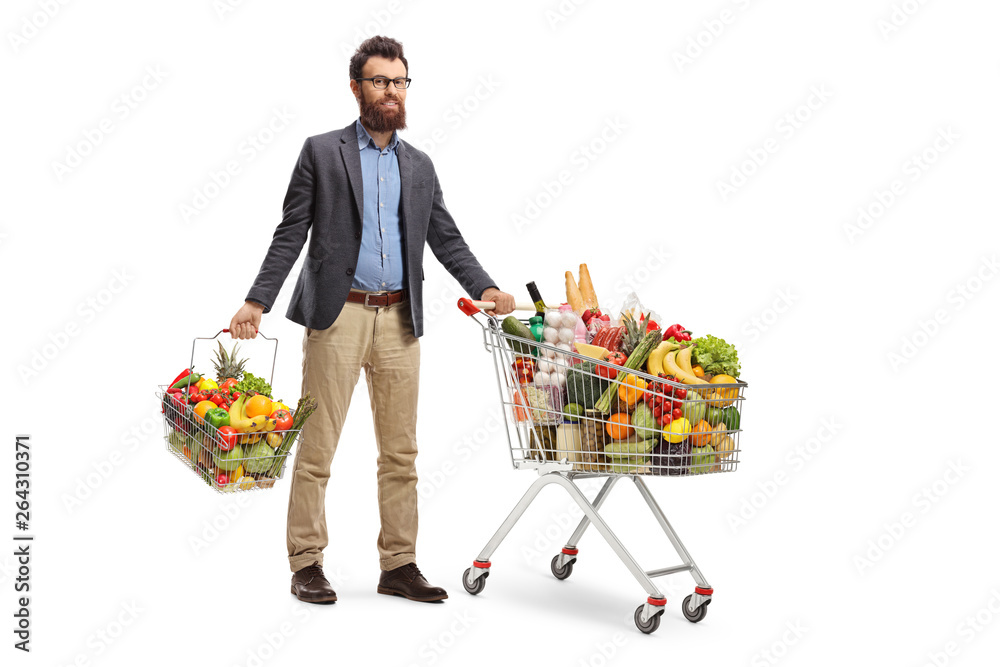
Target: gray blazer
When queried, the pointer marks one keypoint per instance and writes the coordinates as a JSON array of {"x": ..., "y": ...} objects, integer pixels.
[{"x": 325, "y": 193}]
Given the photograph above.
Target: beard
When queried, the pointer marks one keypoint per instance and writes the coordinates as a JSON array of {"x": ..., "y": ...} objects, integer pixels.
[{"x": 381, "y": 119}]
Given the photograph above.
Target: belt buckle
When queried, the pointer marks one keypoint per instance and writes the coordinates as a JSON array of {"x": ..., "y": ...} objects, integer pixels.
[{"x": 368, "y": 305}]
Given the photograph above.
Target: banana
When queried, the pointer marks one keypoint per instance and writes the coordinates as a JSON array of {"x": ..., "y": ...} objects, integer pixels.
[
  {"x": 257, "y": 424},
  {"x": 670, "y": 364},
  {"x": 237, "y": 415},
  {"x": 654, "y": 365},
  {"x": 270, "y": 425},
  {"x": 683, "y": 360}
]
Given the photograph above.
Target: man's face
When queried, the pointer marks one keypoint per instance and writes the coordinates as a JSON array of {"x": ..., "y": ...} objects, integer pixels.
[{"x": 381, "y": 110}]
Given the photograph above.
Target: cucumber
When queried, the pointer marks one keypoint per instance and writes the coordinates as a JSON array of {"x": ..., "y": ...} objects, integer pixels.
[
  {"x": 620, "y": 449},
  {"x": 515, "y": 327}
]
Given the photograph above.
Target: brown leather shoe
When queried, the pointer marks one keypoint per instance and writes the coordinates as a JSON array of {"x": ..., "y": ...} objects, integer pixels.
[
  {"x": 310, "y": 585},
  {"x": 406, "y": 581}
]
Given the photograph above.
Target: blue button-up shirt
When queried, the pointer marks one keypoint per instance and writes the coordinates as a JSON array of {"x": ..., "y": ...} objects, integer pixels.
[{"x": 380, "y": 264}]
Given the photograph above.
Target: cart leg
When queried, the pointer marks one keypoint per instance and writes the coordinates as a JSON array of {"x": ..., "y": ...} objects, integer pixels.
[
  {"x": 477, "y": 570},
  {"x": 602, "y": 527},
  {"x": 569, "y": 551},
  {"x": 703, "y": 592}
]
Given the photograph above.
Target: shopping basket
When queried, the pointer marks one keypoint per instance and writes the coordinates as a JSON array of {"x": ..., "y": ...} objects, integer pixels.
[
  {"x": 563, "y": 444},
  {"x": 247, "y": 466}
]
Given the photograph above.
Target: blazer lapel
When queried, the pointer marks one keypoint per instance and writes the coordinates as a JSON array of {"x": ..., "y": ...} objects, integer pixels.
[
  {"x": 352, "y": 161},
  {"x": 405, "y": 180}
]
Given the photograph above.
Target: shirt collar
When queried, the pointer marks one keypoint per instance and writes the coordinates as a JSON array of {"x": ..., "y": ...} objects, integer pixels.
[{"x": 364, "y": 138}]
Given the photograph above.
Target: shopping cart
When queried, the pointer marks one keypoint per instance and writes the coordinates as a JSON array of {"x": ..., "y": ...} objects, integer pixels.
[
  {"x": 211, "y": 453},
  {"x": 548, "y": 433}
]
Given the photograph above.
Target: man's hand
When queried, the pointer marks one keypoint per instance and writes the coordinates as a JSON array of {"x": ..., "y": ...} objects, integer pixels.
[
  {"x": 504, "y": 302},
  {"x": 246, "y": 321}
]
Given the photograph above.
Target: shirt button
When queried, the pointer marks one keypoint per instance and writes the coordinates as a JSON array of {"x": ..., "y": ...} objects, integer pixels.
[
  {"x": 383, "y": 229},
  {"x": 350, "y": 271},
  {"x": 381, "y": 204},
  {"x": 383, "y": 284},
  {"x": 384, "y": 256},
  {"x": 381, "y": 179}
]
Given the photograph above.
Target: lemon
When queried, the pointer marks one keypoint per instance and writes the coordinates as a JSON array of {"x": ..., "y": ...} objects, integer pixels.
[{"x": 677, "y": 430}]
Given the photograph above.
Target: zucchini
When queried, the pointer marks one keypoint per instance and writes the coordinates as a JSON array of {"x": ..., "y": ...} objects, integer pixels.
[
  {"x": 515, "y": 327},
  {"x": 630, "y": 449}
]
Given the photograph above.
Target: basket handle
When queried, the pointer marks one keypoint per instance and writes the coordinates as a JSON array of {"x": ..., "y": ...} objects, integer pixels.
[{"x": 273, "y": 359}]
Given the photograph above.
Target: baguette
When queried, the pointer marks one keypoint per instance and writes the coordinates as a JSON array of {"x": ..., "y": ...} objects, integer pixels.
[
  {"x": 573, "y": 296},
  {"x": 587, "y": 288}
]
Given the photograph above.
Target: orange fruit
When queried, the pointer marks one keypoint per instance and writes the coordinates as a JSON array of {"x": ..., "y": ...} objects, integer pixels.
[
  {"x": 728, "y": 396},
  {"x": 201, "y": 407},
  {"x": 701, "y": 434},
  {"x": 258, "y": 405},
  {"x": 619, "y": 427}
]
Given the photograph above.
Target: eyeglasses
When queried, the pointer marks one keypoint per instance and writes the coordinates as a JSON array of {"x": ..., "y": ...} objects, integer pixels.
[{"x": 382, "y": 82}]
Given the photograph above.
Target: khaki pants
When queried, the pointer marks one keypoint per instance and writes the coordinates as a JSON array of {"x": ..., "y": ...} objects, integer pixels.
[{"x": 381, "y": 341}]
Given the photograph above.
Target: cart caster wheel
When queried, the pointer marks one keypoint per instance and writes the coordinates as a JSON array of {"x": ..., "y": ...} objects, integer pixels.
[
  {"x": 698, "y": 613},
  {"x": 476, "y": 588},
  {"x": 650, "y": 626},
  {"x": 564, "y": 571}
]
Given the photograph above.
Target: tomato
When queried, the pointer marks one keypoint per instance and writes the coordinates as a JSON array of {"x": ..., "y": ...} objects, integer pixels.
[
  {"x": 284, "y": 418},
  {"x": 681, "y": 393},
  {"x": 676, "y": 413},
  {"x": 227, "y": 438},
  {"x": 222, "y": 479},
  {"x": 218, "y": 399}
]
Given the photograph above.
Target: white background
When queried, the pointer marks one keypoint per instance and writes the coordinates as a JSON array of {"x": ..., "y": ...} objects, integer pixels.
[{"x": 817, "y": 304}]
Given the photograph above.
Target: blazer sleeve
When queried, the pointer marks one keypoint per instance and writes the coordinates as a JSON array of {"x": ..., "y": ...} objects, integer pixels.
[
  {"x": 451, "y": 250},
  {"x": 291, "y": 233}
]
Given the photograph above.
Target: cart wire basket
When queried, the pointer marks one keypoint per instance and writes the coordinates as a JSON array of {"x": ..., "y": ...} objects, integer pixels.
[
  {"x": 570, "y": 416},
  {"x": 229, "y": 463}
]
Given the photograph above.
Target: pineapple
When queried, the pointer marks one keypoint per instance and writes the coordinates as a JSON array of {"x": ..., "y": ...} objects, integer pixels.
[
  {"x": 227, "y": 365},
  {"x": 633, "y": 334}
]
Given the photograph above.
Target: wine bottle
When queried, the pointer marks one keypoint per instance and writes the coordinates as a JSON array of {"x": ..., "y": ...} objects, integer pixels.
[{"x": 536, "y": 298}]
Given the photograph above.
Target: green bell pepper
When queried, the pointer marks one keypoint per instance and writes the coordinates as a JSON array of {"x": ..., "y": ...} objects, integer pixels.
[{"x": 217, "y": 417}]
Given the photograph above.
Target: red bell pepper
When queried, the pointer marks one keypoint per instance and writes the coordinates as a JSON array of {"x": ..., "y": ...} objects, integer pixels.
[{"x": 677, "y": 332}]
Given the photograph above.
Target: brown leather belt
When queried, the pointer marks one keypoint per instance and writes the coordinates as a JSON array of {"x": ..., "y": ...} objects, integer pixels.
[{"x": 377, "y": 299}]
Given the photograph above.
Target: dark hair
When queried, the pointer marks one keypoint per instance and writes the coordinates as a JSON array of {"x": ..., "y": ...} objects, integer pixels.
[{"x": 386, "y": 47}]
